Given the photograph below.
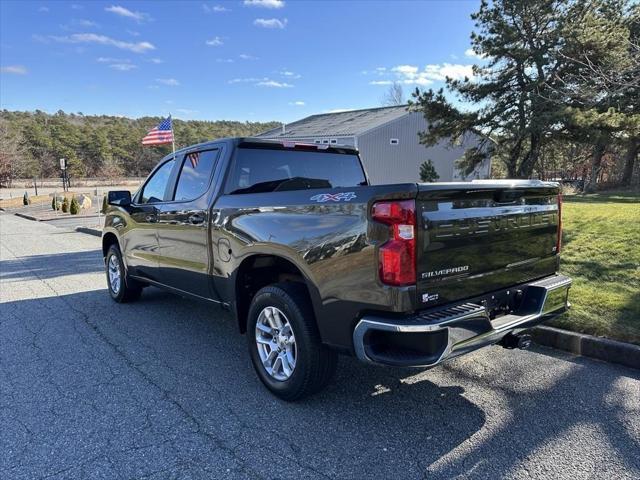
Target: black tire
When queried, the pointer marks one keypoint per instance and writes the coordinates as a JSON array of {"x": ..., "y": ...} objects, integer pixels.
[
  {"x": 315, "y": 364},
  {"x": 129, "y": 289}
]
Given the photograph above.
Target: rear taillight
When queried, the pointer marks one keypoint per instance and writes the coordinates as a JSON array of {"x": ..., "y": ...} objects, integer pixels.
[
  {"x": 559, "y": 239},
  {"x": 397, "y": 256}
]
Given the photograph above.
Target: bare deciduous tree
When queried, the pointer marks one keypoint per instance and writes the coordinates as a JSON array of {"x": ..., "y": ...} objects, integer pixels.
[{"x": 394, "y": 96}]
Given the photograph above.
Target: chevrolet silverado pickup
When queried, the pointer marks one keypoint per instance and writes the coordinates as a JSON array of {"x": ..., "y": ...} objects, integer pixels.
[{"x": 313, "y": 261}]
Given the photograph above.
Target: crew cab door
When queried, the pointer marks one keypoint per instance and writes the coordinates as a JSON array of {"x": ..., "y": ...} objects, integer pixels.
[
  {"x": 141, "y": 247},
  {"x": 183, "y": 226}
]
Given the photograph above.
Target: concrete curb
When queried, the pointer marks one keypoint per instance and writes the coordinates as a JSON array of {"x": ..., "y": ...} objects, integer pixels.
[
  {"x": 24, "y": 215},
  {"x": 589, "y": 346},
  {"x": 52, "y": 219},
  {"x": 90, "y": 231}
]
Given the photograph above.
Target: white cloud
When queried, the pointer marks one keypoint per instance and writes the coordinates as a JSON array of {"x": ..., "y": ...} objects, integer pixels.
[
  {"x": 133, "y": 33},
  {"x": 244, "y": 56},
  {"x": 43, "y": 9},
  {"x": 412, "y": 75},
  {"x": 157, "y": 61},
  {"x": 123, "y": 67},
  {"x": 270, "y": 22},
  {"x": 442, "y": 71},
  {"x": 214, "y": 8},
  {"x": 264, "y": 3},
  {"x": 289, "y": 74},
  {"x": 112, "y": 60},
  {"x": 140, "y": 47},
  {"x": 224, "y": 60},
  {"x": 125, "y": 12},
  {"x": 14, "y": 69},
  {"x": 273, "y": 84},
  {"x": 247, "y": 80},
  {"x": 261, "y": 82},
  {"x": 86, "y": 23},
  {"x": 469, "y": 52},
  {"x": 298, "y": 103},
  {"x": 170, "y": 82},
  {"x": 215, "y": 42},
  {"x": 405, "y": 69}
]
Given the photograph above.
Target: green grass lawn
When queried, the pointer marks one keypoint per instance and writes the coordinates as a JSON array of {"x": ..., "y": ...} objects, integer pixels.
[{"x": 601, "y": 252}]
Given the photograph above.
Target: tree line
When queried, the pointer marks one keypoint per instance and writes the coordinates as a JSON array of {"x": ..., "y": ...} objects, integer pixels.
[
  {"x": 32, "y": 143},
  {"x": 555, "y": 93}
]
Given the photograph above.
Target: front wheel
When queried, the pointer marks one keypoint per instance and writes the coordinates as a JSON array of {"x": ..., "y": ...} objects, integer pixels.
[
  {"x": 121, "y": 288},
  {"x": 284, "y": 343}
]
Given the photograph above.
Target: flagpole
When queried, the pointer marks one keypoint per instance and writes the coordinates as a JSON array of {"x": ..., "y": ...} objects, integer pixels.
[{"x": 173, "y": 139}]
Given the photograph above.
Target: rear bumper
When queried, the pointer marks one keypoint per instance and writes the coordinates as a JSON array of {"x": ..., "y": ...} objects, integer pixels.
[{"x": 429, "y": 338}]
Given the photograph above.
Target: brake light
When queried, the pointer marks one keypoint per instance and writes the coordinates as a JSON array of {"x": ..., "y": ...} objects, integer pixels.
[
  {"x": 397, "y": 256},
  {"x": 559, "y": 239}
]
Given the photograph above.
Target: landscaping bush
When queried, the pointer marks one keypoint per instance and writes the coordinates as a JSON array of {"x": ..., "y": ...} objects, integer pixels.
[
  {"x": 74, "y": 207},
  {"x": 65, "y": 205},
  {"x": 26, "y": 200},
  {"x": 53, "y": 203},
  {"x": 103, "y": 210}
]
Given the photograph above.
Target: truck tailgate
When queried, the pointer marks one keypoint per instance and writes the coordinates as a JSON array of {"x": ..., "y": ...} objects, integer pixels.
[{"x": 478, "y": 237}]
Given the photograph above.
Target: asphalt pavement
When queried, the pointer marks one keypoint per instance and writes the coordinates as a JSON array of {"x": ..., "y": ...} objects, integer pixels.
[{"x": 163, "y": 388}]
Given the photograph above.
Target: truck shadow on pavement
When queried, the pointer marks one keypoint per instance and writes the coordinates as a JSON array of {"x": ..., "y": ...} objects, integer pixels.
[
  {"x": 51, "y": 265},
  {"x": 177, "y": 376}
]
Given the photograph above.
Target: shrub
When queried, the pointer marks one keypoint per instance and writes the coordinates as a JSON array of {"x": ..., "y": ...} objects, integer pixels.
[
  {"x": 74, "y": 208},
  {"x": 65, "y": 205},
  {"x": 103, "y": 210},
  {"x": 428, "y": 172},
  {"x": 53, "y": 203},
  {"x": 25, "y": 199}
]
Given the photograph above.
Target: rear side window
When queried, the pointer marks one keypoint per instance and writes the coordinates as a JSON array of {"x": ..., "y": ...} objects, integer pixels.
[
  {"x": 155, "y": 187},
  {"x": 195, "y": 175},
  {"x": 262, "y": 170}
]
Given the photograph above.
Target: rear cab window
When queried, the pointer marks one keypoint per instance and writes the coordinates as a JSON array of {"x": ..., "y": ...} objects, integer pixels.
[
  {"x": 195, "y": 175},
  {"x": 259, "y": 170}
]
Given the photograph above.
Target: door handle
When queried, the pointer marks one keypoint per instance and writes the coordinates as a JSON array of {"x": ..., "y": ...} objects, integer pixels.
[{"x": 196, "y": 219}]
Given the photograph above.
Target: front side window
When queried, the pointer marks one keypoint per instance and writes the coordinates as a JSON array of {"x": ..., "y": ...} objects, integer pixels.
[
  {"x": 258, "y": 170},
  {"x": 195, "y": 175},
  {"x": 155, "y": 187}
]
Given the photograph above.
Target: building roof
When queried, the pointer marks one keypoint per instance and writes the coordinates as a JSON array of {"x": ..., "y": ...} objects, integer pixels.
[{"x": 352, "y": 122}]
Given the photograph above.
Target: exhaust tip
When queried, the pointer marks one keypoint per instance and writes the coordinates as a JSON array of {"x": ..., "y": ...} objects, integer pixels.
[{"x": 521, "y": 341}]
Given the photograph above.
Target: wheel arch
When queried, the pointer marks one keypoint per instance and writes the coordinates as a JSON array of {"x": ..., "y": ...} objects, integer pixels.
[
  {"x": 108, "y": 239},
  {"x": 258, "y": 271}
]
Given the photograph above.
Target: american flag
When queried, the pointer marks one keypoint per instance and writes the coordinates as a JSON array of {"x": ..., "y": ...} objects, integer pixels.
[
  {"x": 194, "y": 158},
  {"x": 161, "y": 134}
]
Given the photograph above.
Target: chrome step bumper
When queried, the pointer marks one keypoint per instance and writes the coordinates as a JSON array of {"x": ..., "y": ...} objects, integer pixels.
[{"x": 429, "y": 338}]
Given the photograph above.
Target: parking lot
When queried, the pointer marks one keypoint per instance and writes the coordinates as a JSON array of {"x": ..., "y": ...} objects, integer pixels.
[{"x": 163, "y": 388}]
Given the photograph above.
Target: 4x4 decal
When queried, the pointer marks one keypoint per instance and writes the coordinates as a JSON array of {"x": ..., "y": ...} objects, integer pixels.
[{"x": 333, "y": 197}]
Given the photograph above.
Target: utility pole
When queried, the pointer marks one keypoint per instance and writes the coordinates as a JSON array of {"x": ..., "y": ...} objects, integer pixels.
[{"x": 63, "y": 167}]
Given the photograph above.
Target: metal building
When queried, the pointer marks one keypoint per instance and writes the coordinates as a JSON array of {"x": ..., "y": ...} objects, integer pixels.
[{"x": 387, "y": 138}]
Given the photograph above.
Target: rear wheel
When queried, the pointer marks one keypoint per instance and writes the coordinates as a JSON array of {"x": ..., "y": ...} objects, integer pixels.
[
  {"x": 284, "y": 343},
  {"x": 121, "y": 288}
]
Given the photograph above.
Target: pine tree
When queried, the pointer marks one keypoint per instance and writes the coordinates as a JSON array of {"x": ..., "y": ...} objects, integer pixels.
[{"x": 428, "y": 172}]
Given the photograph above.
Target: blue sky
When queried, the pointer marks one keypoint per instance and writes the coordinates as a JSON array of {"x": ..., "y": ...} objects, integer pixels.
[{"x": 254, "y": 60}]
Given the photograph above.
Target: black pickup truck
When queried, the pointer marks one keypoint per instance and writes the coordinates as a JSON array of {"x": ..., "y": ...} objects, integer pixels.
[{"x": 313, "y": 261}]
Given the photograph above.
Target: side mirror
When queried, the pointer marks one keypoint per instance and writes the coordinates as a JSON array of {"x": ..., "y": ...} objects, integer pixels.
[{"x": 119, "y": 198}]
